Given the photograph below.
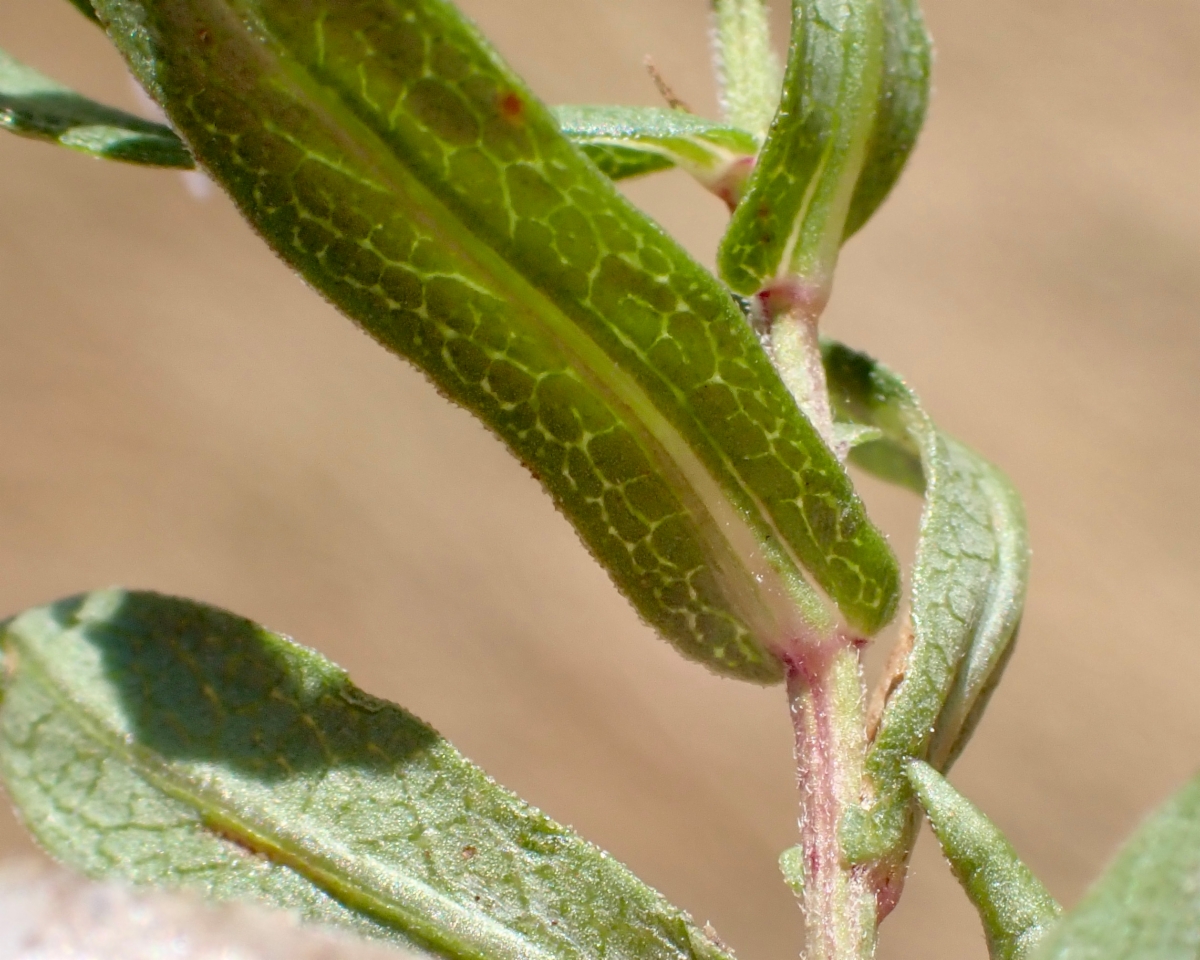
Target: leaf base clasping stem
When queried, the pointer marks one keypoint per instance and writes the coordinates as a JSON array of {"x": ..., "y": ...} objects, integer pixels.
[{"x": 825, "y": 693}]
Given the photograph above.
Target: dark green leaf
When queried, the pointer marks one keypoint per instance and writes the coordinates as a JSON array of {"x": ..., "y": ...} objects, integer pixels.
[
  {"x": 854, "y": 100},
  {"x": 908, "y": 58},
  {"x": 747, "y": 67},
  {"x": 1147, "y": 904},
  {"x": 792, "y": 218},
  {"x": 631, "y": 141},
  {"x": 968, "y": 591},
  {"x": 385, "y": 151},
  {"x": 1016, "y": 909},
  {"x": 167, "y": 743},
  {"x": 32, "y": 105}
]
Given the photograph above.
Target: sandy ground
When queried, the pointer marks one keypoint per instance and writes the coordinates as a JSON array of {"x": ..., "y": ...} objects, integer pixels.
[{"x": 178, "y": 411}]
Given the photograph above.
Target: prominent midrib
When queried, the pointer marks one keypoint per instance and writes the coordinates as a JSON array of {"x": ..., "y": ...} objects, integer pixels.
[
  {"x": 739, "y": 542},
  {"x": 408, "y": 909},
  {"x": 662, "y": 147}
]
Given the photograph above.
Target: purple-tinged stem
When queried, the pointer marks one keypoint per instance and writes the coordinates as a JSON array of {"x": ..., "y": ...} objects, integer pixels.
[{"x": 838, "y": 900}]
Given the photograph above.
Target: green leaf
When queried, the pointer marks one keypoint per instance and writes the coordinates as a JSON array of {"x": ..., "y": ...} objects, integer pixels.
[
  {"x": 385, "y": 152},
  {"x": 1016, "y": 909},
  {"x": 32, "y": 105},
  {"x": 1147, "y": 903},
  {"x": 167, "y": 743},
  {"x": 630, "y": 141},
  {"x": 854, "y": 100},
  {"x": 747, "y": 68},
  {"x": 900, "y": 114},
  {"x": 792, "y": 218},
  {"x": 968, "y": 590}
]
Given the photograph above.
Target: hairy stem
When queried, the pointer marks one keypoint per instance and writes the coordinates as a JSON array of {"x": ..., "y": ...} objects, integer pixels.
[
  {"x": 825, "y": 692},
  {"x": 790, "y": 312}
]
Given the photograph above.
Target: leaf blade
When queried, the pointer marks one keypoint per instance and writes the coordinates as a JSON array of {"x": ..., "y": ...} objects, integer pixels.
[
  {"x": 968, "y": 591},
  {"x": 903, "y": 103},
  {"x": 632, "y": 141},
  {"x": 855, "y": 98},
  {"x": 164, "y": 742},
  {"x": 1016, "y": 910},
  {"x": 470, "y": 237},
  {"x": 792, "y": 218},
  {"x": 34, "y": 106},
  {"x": 1146, "y": 903}
]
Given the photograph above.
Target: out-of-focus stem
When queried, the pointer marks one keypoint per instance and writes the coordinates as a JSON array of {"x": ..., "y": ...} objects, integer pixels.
[{"x": 838, "y": 900}]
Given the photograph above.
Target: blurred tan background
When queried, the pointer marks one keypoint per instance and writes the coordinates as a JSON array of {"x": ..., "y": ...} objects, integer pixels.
[{"x": 177, "y": 411}]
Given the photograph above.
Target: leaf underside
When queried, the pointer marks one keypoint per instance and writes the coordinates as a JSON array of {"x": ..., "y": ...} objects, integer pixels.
[
  {"x": 1016, "y": 909},
  {"x": 632, "y": 141},
  {"x": 32, "y": 105},
  {"x": 390, "y": 157},
  {"x": 968, "y": 591},
  {"x": 167, "y": 743},
  {"x": 1146, "y": 905}
]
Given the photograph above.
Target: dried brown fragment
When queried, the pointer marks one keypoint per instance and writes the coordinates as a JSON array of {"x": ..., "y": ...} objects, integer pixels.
[{"x": 665, "y": 90}]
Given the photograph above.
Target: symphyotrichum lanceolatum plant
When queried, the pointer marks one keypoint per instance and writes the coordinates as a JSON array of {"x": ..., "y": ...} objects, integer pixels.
[{"x": 695, "y": 428}]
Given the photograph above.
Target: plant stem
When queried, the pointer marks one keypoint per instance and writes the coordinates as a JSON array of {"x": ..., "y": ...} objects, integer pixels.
[
  {"x": 791, "y": 310},
  {"x": 825, "y": 691}
]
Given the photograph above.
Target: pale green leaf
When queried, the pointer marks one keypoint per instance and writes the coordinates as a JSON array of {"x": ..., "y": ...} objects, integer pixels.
[
  {"x": 748, "y": 70},
  {"x": 1016, "y": 909},
  {"x": 386, "y": 152},
  {"x": 167, "y": 743},
  {"x": 631, "y": 141},
  {"x": 968, "y": 590},
  {"x": 1146, "y": 905},
  {"x": 33, "y": 105},
  {"x": 854, "y": 100}
]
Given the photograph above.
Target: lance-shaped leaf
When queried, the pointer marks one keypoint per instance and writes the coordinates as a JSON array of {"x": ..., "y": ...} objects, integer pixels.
[
  {"x": 167, "y": 743},
  {"x": 900, "y": 113},
  {"x": 631, "y": 141},
  {"x": 854, "y": 99},
  {"x": 792, "y": 218},
  {"x": 384, "y": 150},
  {"x": 1017, "y": 911},
  {"x": 748, "y": 71},
  {"x": 968, "y": 590},
  {"x": 1147, "y": 903},
  {"x": 33, "y": 105}
]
